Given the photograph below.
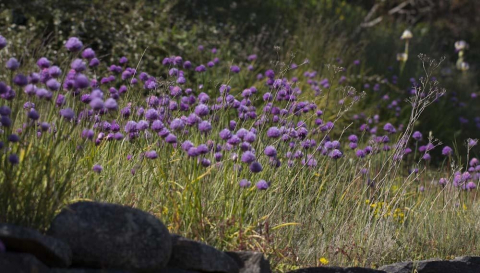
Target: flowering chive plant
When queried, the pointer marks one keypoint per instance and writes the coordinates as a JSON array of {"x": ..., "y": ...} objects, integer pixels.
[{"x": 247, "y": 151}]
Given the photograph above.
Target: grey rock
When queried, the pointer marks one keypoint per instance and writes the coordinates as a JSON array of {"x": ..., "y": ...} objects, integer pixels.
[
  {"x": 192, "y": 255},
  {"x": 105, "y": 235},
  {"x": 85, "y": 270},
  {"x": 459, "y": 265},
  {"x": 398, "y": 267},
  {"x": 334, "y": 269},
  {"x": 49, "y": 250},
  {"x": 176, "y": 270},
  {"x": 250, "y": 262},
  {"x": 21, "y": 263},
  {"x": 473, "y": 260}
]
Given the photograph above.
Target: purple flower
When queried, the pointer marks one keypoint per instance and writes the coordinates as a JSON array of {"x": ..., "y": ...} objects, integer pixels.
[
  {"x": 33, "y": 114},
  {"x": 192, "y": 152},
  {"x": 118, "y": 136},
  {"x": 88, "y": 53},
  {"x": 248, "y": 157},
  {"x": 201, "y": 68},
  {"x": 360, "y": 153},
  {"x": 442, "y": 181},
  {"x": 225, "y": 134},
  {"x": 256, "y": 167},
  {"x": 176, "y": 91},
  {"x": 310, "y": 161},
  {"x": 43, "y": 63},
  {"x": 12, "y": 64},
  {"x": 54, "y": 71},
  {"x": 151, "y": 154},
  {"x": 151, "y": 114},
  {"x": 177, "y": 124},
  {"x": 202, "y": 149},
  {"x": 205, "y": 162},
  {"x": 123, "y": 60},
  {"x": 13, "y": 159},
  {"x": 335, "y": 154},
  {"x": 3, "y": 42},
  {"x": 171, "y": 138},
  {"x": 471, "y": 186},
  {"x": 81, "y": 81},
  {"x": 53, "y": 84},
  {"x": 262, "y": 185},
  {"x": 250, "y": 137},
  {"x": 466, "y": 176},
  {"x": 327, "y": 126},
  {"x": 202, "y": 110},
  {"x": 235, "y": 69},
  {"x": 5, "y": 110},
  {"x": 234, "y": 140},
  {"x": 474, "y": 162},
  {"x": 389, "y": 128},
  {"x": 267, "y": 96},
  {"x": 73, "y": 44},
  {"x": 471, "y": 142},
  {"x": 94, "y": 62},
  {"x": 130, "y": 127},
  {"x": 13, "y": 138},
  {"x": 87, "y": 133},
  {"x": 97, "y": 168},
  {"x": 78, "y": 65},
  {"x": 3, "y": 88},
  {"x": 417, "y": 135},
  {"x": 426, "y": 157},
  {"x": 186, "y": 145},
  {"x": 270, "y": 151},
  {"x": 44, "y": 126},
  {"x": 111, "y": 104},
  {"x": 353, "y": 138},
  {"x": 273, "y": 132},
  {"x": 67, "y": 113},
  {"x": 244, "y": 183},
  {"x": 20, "y": 80},
  {"x": 204, "y": 126},
  {"x": 142, "y": 125},
  {"x": 429, "y": 147},
  {"x": 270, "y": 74},
  {"x": 447, "y": 151},
  {"x": 97, "y": 104}
]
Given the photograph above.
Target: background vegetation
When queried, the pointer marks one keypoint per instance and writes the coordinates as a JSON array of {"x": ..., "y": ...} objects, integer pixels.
[{"x": 334, "y": 213}]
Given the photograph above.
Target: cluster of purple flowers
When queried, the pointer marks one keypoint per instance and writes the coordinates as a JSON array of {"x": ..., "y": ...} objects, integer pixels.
[{"x": 181, "y": 116}]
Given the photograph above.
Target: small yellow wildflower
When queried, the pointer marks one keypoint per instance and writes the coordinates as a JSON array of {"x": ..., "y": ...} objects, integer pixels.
[{"x": 323, "y": 261}]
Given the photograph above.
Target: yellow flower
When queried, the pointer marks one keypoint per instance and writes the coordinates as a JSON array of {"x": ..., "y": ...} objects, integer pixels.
[
  {"x": 323, "y": 261},
  {"x": 367, "y": 201}
]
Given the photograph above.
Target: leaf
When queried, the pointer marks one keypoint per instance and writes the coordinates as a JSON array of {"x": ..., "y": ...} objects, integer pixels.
[{"x": 285, "y": 225}]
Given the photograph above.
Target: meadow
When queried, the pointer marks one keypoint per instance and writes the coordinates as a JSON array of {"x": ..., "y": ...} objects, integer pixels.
[{"x": 312, "y": 160}]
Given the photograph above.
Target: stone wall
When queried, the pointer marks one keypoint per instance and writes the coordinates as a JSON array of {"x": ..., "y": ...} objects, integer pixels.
[{"x": 98, "y": 237}]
